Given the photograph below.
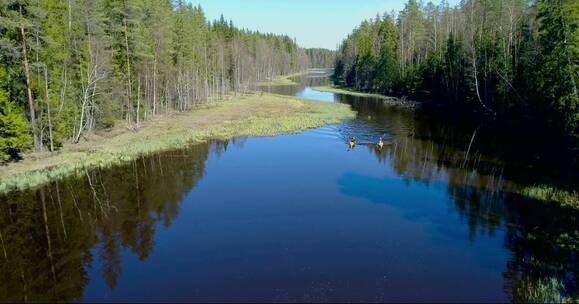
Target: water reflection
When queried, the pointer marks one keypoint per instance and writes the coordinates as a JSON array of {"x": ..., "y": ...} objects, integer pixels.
[
  {"x": 303, "y": 86},
  {"x": 483, "y": 182},
  {"x": 52, "y": 237},
  {"x": 483, "y": 166},
  {"x": 543, "y": 262},
  {"x": 48, "y": 235}
]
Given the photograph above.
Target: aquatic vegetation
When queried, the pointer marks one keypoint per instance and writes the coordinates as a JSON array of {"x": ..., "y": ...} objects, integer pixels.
[
  {"x": 542, "y": 291},
  {"x": 250, "y": 115},
  {"x": 552, "y": 194}
]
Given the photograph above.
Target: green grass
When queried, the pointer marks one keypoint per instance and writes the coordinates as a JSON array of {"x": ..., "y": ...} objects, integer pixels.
[
  {"x": 253, "y": 115},
  {"x": 551, "y": 194}
]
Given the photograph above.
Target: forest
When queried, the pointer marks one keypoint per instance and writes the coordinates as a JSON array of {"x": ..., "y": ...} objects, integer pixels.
[
  {"x": 321, "y": 58},
  {"x": 68, "y": 68},
  {"x": 153, "y": 149},
  {"x": 506, "y": 58}
]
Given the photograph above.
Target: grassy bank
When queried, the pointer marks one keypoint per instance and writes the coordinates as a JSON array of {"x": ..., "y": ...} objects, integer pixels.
[
  {"x": 282, "y": 80},
  {"x": 551, "y": 194},
  {"x": 250, "y": 115},
  {"x": 346, "y": 91},
  {"x": 394, "y": 101}
]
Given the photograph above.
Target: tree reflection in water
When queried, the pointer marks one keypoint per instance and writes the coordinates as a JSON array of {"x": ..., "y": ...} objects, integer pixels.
[
  {"x": 483, "y": 180},
  {"x": 50, "y": 237},
  {"x": 48, "y": 233}
]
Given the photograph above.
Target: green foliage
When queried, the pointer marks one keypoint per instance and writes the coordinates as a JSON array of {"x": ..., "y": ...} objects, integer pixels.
[
  {"x": 455, "y": 63},
  {"x": 14, "y": 136},
  {"x": 506, "y": 57},
  {"x": 559, "y": 63},
  {"x": 95, "y": 62},
  {"x": 321, "y": 58}
]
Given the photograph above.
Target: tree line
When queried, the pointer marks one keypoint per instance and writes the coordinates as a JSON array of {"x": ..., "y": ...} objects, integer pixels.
[
  {"x": 516, "y": 58},
  {"x": 68, "y": 67},
  {"x": 321, "y": 58}
]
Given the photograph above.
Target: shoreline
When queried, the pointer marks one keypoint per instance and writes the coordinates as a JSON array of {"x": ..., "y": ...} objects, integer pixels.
[
  {"x": 285, "y": 80},
  {"x": 256, "y": 114},
  {"x": 389, "y": 100},
  {"x": 541, "y": 192}
]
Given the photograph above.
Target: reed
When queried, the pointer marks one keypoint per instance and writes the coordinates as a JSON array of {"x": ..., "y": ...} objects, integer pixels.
[{"x": 551, "y": 194}]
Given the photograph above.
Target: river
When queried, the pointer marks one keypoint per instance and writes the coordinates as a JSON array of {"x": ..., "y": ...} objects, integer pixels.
[{"x": 434, "y": 216}]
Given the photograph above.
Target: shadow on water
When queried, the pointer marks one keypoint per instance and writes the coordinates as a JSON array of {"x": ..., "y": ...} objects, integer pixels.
[{"x": 51, "y": 237}]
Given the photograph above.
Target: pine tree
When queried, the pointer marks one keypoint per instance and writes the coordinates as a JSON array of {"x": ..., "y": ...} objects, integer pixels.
[
  {"x": 14, "y": 136},
  {"x": 559, "y": 67},
  {"x": 19, "y": 17},
  {"x": 387, "y": 65}
]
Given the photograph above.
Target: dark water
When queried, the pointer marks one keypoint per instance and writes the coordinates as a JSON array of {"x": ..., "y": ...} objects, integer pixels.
[{"x": 302, "y": 218}]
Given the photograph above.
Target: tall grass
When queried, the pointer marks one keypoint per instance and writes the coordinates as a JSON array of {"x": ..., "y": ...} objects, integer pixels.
[
  {"x": 544, "y": 290},
  {"x": 552, "y": 194}
]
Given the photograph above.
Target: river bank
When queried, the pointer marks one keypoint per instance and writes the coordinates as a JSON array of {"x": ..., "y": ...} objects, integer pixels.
[
  {"x": 283, "y": 80},
  {"x": 394, "y": 101},
  {"x": 256, "y": 114},
  {"x": 287, "y": 80},
  {"x": 542, "y": 191}
]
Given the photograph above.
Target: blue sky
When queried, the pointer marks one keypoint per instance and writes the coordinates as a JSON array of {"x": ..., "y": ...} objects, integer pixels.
[{"x": 314, "y": 23}]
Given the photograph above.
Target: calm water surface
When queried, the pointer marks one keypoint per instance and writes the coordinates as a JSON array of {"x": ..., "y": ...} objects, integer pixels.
[{"x": 302, "y": 218}]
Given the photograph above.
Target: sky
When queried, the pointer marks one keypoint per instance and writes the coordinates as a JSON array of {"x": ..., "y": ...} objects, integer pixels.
[{"x": 314, "y": 23}]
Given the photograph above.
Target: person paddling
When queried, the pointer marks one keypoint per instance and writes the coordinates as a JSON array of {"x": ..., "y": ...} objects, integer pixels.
[
  {"x": 352, "y": 142},
  {"x": 380, "y": 144}
]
